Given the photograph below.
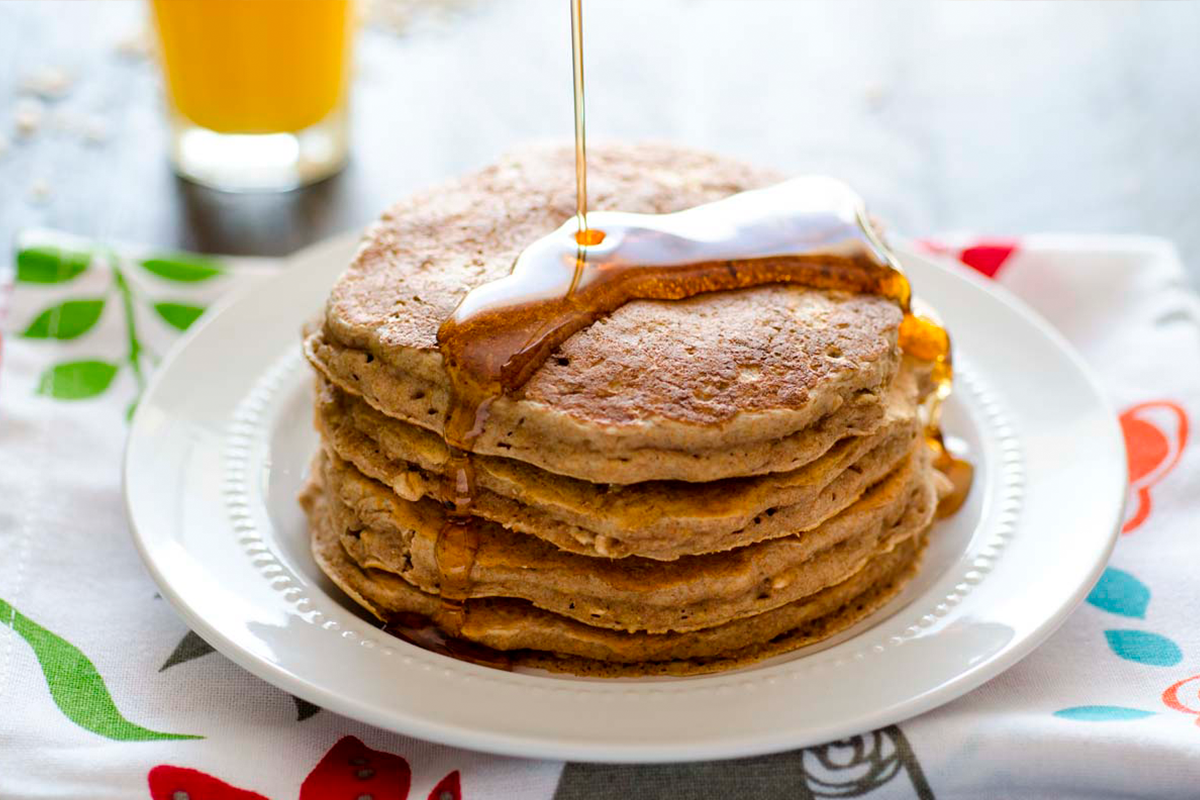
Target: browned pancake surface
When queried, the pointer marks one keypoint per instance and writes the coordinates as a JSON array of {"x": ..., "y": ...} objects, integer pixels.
[
  {"x": 536, "y": 637},
  {"x": 657, "y": 519},
  {"x": 657, "y": 389},
  {"x": 382, "y": 531}
]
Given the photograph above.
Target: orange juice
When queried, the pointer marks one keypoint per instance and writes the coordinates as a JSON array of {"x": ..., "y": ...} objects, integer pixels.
[{"x": 255, "y": 66}]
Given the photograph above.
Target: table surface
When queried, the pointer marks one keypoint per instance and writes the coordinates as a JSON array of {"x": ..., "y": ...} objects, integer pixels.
[{"x": 1004, "y": 118}]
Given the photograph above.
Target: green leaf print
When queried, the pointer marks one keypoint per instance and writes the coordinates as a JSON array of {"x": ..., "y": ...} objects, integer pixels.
[
  {"x": 182, "y": 269},
  {"x": 77, "y": 380},
  {"x": 76, "y": 686},
  {"x": 50, "y": 264},
  {"x": 178, "y": 315},
  {"x": 66, "y": 320}
]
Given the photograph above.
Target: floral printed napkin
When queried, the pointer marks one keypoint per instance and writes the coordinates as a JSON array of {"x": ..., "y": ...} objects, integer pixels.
[{"x": 106, "y": 694}]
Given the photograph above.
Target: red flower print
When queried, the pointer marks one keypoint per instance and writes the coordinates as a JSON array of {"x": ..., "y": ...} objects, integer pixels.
[
  {"x": 351, "y": 770},
  {"x": 1184, "y": 696},
  {"x": 1155, "y": 435},
  {"x": 447, "y": 789},
  {"x": 986, "y": 256},
  {"x": 179, "y": 783}
]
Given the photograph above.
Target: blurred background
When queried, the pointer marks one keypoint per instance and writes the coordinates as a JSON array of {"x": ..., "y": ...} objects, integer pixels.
[{"x": 992, "y": 117}]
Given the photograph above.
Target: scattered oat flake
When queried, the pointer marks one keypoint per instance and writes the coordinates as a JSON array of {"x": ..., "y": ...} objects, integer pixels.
[
  {"x": 49, "y": 83},
  {"x": 136, "y": 45},
  {"x": 399, "y": 17},
  {"x": 94, "y": 130},
  {"x": 40, "y": 191},
  {"x": 91, "y": 128},
  {"x": 876, "y": 95},
  {"x": 28, "y": 116}
]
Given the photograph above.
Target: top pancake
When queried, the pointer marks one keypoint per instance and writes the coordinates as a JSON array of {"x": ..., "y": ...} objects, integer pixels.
[{"x": 693, "y": 390}]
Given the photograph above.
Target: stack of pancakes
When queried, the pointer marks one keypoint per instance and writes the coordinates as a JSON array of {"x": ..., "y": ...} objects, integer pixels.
[{"x": 683, "y": 486}]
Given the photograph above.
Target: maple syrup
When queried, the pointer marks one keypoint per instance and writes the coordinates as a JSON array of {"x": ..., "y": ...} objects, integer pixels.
[
  {"x": 812, "y": 232},
  {"x": 581, "y": 227},
  {"x": 458, "y": 539}
]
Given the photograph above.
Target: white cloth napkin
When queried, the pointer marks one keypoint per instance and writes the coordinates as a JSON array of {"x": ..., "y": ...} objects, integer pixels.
[{"x": 105, "y": 694}]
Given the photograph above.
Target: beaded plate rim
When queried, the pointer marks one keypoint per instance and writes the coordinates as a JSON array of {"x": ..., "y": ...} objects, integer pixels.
[{"x": 247, "y": 452}]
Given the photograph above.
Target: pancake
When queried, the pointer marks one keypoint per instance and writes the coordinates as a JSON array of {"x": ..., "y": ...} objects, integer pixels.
[
  {"x": 537, "y": 638},
  {"x": 658, "y": 519},
  {"x": 721, "y": 385},
  {"x": 382, "y": 531},
  {"x": 359, "y": 374},
  {"x": 682, "y": 487}
]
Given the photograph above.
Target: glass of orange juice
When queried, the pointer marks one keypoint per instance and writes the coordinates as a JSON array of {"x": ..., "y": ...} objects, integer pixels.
[{"x": 257, "y": 89}]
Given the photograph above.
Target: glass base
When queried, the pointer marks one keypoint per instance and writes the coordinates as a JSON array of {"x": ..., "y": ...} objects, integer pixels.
[{"x": 266, "y": 162}]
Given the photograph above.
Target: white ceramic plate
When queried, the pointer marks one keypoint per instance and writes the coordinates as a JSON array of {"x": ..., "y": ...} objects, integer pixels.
[{"x": 221, "y": 442}]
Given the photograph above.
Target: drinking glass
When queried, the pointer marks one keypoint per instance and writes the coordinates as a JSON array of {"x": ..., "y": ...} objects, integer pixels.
[{"x": 257, "y": 89}]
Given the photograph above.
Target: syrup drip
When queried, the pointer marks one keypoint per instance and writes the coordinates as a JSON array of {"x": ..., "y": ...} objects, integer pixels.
[
  {"x": 458, "y": 540},
  {"x": 580, "y": 122}
]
